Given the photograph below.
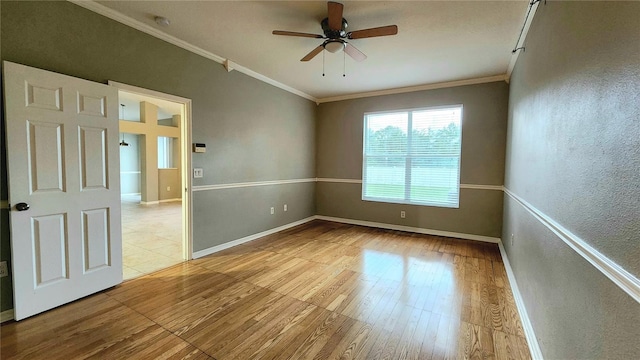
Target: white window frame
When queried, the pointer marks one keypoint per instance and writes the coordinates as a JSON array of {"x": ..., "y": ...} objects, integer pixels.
[
  {"x": 408, "y": 157},
  {"x": 165, "y": 161}
]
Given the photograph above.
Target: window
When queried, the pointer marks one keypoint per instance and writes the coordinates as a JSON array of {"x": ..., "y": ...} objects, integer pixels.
[
  {"x": 165, "y": 152},
  {"x": 413, "y": 157}
]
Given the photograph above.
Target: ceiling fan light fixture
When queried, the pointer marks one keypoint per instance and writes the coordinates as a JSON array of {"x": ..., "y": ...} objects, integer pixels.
[
  {"x": 334, "y": 27},
  {"x": 334, "y": 46}
]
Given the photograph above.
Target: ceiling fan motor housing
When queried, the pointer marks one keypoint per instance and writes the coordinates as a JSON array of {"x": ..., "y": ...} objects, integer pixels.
[{"x": 334, "y": 34}]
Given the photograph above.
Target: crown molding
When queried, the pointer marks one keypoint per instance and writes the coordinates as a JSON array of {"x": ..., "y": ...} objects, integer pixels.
[
  {"x": 401, "y": 90},
  {"x": 228, "y": 64}
]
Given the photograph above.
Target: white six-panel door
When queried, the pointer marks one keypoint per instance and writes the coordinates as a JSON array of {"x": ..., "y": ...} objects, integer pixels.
[{"x": 63, "y": 162}]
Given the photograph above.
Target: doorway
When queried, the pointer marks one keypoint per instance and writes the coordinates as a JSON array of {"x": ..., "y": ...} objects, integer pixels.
[{"x": 154, "y": 176}]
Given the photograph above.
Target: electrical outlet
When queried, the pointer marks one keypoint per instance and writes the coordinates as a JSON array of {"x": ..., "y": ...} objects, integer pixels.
[
  {"x": 403, "y": 214},
  {"x": 511, "y": 239},
  {"x": 273, "y": 210},
  {"x": 168, "y": 188},
  {"x": 285, "y": 207},
  {"x": 4, "y": 271}
]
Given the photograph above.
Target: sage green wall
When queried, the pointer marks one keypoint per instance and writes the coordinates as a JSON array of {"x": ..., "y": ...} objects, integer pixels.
[
  {"x": 574, "y": 154},
  {"x": 253, "y": 131},
  {"x": 484, "y": 125}
]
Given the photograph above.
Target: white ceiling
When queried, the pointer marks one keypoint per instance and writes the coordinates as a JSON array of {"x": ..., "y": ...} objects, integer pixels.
[{"x": 437, "y": 41}]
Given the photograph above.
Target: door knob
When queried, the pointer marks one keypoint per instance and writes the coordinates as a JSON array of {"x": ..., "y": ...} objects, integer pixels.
[{"x": 22, "y": 206}]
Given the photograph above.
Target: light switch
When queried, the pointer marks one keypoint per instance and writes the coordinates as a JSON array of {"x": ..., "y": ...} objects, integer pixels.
[{"x": 198, "y": 172}]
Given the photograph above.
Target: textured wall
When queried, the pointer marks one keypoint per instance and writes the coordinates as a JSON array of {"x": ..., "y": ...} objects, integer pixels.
[
  {"x": 574, "y": 154},
  {"x": 484, "y": 126},
  {"x": 253, "y": 130},
  {"x": 212, "y": 228}
]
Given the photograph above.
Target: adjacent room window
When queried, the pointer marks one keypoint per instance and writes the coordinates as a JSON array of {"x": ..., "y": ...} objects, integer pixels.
[
  {"x": 165, "y": 152},
  {"x": 413, "y": 157}
]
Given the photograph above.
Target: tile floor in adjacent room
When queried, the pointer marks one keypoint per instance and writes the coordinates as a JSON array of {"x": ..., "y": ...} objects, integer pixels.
[{"x": 151, "y": 236}]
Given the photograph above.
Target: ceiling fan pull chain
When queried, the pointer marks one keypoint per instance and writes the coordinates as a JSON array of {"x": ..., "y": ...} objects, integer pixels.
[
  {"x": 322, "y": 62},
  {"x": 344, "y": 65}
]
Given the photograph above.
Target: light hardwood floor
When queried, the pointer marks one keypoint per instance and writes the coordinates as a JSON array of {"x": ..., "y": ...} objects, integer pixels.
[{"x": 318, "y": 291}]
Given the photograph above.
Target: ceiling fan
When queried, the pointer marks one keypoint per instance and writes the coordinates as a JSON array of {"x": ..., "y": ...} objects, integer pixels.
[{"x": 335, "y": 32}]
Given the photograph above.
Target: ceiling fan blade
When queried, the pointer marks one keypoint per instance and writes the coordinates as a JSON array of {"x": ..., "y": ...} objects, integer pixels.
[
  {"x": 335, "y": 15},
  {"x": 373, "y": 32},
  {"x": 292, "y": 33},
  {"x": 356, "y": 54},
  {"x": 313, "y": 53}
]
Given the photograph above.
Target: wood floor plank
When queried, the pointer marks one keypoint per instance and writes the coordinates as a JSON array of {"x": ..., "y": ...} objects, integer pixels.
[
  {"x": 334, "y": 340},
  {"x": 419, "y": 334},
  {"x": 306, "y": 347},
  {"x": 203, "y": 315},
  {"x": 277, "y": 331},
  {"x": 507, "y": 346},
  {"x": 289, "y": 340},
  {"x": 231, "y": 320},
  {"x": 353, "y": 344},
  {"x": 406, "y": 338},
  {"x": 320, "y": 290},
  {"x": 328, "y": 293},
  {"x": 217, "y": 343}
]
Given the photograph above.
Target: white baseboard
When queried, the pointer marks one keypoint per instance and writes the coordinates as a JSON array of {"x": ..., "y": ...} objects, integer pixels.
[
  {"x": 215, "y": 249},
  {"x": 6, "y": 315},
  {"x": 130, "y": 194},
  {"x": 156, "y": 202},
  {"x": 532, "y": 340},
  {"x": 169, "y": 200},
  {"x": 482, "y": 238}
]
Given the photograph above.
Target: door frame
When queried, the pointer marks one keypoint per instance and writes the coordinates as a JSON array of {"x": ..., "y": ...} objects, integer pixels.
[{"x": 185, "y": 147}]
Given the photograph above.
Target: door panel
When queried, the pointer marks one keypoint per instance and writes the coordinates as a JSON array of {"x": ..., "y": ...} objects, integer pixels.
[
  {"x": 46, "y": 151},
  {"x": 96, "y": 239},
  {"x": 49, "y": 236},
  {"x": 93, "y": 158},
  {"x": 92, "y": 105},
  {"x": 63, "y": 160},
  {"x": 44, "y": 98}
]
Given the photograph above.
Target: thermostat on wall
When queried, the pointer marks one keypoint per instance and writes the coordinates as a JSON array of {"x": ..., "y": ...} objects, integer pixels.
[{"x": 199, "y": 148}]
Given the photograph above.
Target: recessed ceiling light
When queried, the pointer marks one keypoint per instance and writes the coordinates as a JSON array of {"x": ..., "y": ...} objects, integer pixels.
[{"x": 162, "y": 21}]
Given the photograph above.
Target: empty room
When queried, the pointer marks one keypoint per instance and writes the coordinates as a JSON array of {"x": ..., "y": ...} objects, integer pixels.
[{"x": 348, "y": 180}]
